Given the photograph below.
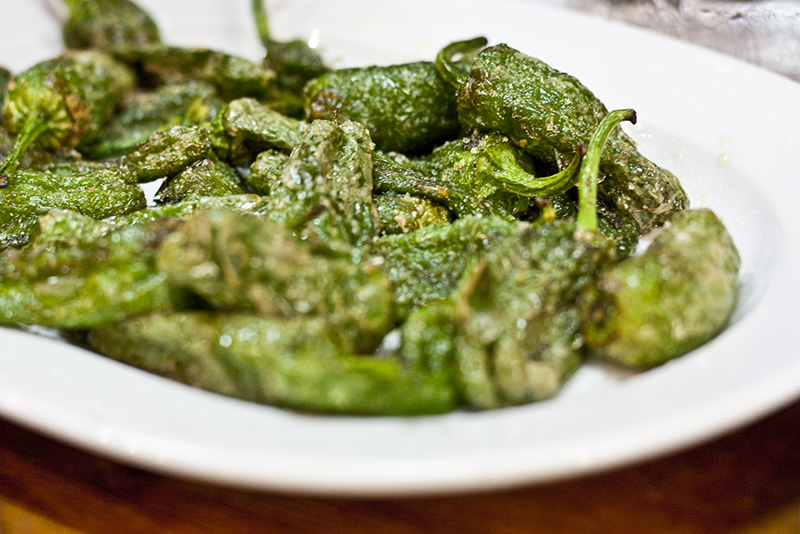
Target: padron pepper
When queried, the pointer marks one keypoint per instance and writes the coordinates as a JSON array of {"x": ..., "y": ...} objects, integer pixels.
[
  {"x": 94, "y": 189},
  {"x": 62, "y": 103},
  {"x": 427, "y": 264},
  {"x": 402, "y": 213},
  {"x": 301, "y": 364},
  {"x": 548, "y": 113},
  {"x": 672, "y": 298},
  {"x": 492, "y": 171},
  {"x": 513, "y": 327},
  {"x": 232, "y": 76},
  {"x": 239, "y": 262},
  {"x": 104, "y": 24},
  {"x": 325, "y": 188},
  {"x": 245, "y": 127},
  {"x": 78, "y": 272},
  {"x": 146, "y": 112},
  {"x": 166, "y": 153},
  {"x": 208, "y": 177},
  {"x": 407, "y": 107}
]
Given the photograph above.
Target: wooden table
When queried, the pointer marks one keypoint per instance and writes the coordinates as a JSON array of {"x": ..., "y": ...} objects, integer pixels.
[{"x": 747, "y": 482}]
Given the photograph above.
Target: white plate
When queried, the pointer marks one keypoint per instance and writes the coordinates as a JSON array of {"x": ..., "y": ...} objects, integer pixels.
[{"x": 730, "y": 131}]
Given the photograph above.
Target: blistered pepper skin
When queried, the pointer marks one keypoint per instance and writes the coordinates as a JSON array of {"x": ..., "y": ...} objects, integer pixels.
[
  {"x": 427, "y": 265},
  {"x": 547, "y": 112},
  {"x": 325, "y": 187},
  {"x": 674, "y": 297},
  {"x": 107, "y": 23},
  {"x": 300, "y": 364},
  {"x": 166, "y": 153},
  {"x": 98, "y": 191},
  {"x": 403, "y": 213},
  {"x": 517, "y": 337},
  {"x": 240, "y": 262},
  {"x": 146, "y": 112},
  {"x": 73, "y": 94},
  {"x": 79, "y": 272},
  {"x": 233, "y": 76},
  {"x": 407, "y": 107}
]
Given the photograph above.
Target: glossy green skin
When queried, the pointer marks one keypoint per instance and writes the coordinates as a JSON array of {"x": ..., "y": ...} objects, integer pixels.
[
  {"x": 517, "y": 338},
  {"x": 166, "y": 153},
  {"x": 95, "y": 190},
  {"x": 325, "y": 188},
  {"x": 428, "y": 339},
  {"x": 74, "y": 94},
  {"x": 427, "y": 265},
  {"x": 232, "y": 76},
  {"x": 407, "y": 108},
  {"x": 395, "y": 173},
  {"x": 107, "y": 23},
  {"x": 265, "y": 170},
  {"x": 547, "y": 112},
  {"x": 674, "y": 297},
  {"x": 403, "y": 213},
  {"x": 474, "y": 165},
  {"x": 203, "y": 178},
  {"x": 239, "y": 262},
  {"x": 246, "y": 204},
  {"x": 301, "y": 364},
  {"x": 145, "y": 113},
  {"x": 246, "y": 127},
  {"x": 79, "y": 272}
]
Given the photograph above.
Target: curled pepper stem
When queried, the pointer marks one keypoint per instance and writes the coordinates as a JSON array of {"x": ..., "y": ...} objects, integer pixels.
[
  {"x": 447, "y": 67},
  {"x": 590, "y": 168},
  {"x": 522, "y": 183},
  {"x": 34, "y": 126}
]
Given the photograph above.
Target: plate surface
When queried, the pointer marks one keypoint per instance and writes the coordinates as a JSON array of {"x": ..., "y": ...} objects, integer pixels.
[{"x": 728, "y": 130}]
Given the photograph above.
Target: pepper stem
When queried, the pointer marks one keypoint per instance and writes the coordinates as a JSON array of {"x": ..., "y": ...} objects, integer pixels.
[
  {"x": 590, "y": 168},
  {"x": 452, "y": 71},
  {"x": 34, "y": 126},
  {"x": 262, "y": 22},
  {"x": 515, "y": 180}
]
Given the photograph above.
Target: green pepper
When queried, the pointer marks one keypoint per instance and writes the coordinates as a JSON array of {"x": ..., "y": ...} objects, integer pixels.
[
  {"x": 407, "y": 108},
  {"x": 517, "y": 338},
  {"x": 63, "y": 102},
  {"x": 236, "y": 262},
  {"x": 266, "y": 170},
  {"x": 428, "y": 264},
  {"x": 492, "y": 171},
  {"x": 95, "y": 190},
  {"x": 403, "y": 213},
  {"x": 78, "y": 272},
  {"x": 207, "y": 177},
  {"x": 325, "y": 188},
  {"x": 547, "y": 113},
  {"x": 5, "y": 77},
  {"x": 232, "y": 76},
  {"x": 674, "y": 297},
  {"x": 144, "y": 113},
  {"x": 246, "y": 127},
  {"x": 102, "y": 24},
  {"x": 166, "y": 153},
  {"x": 243, "y": 203},
  {"x": 301, "y": 364}
]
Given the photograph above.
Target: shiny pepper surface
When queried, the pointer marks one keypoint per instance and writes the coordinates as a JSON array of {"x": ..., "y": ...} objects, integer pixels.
[{"x": 547, "y": 112}]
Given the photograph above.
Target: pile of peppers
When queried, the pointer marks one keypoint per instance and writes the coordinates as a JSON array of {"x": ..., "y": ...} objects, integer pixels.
[{"x": 459, "y": 233}]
